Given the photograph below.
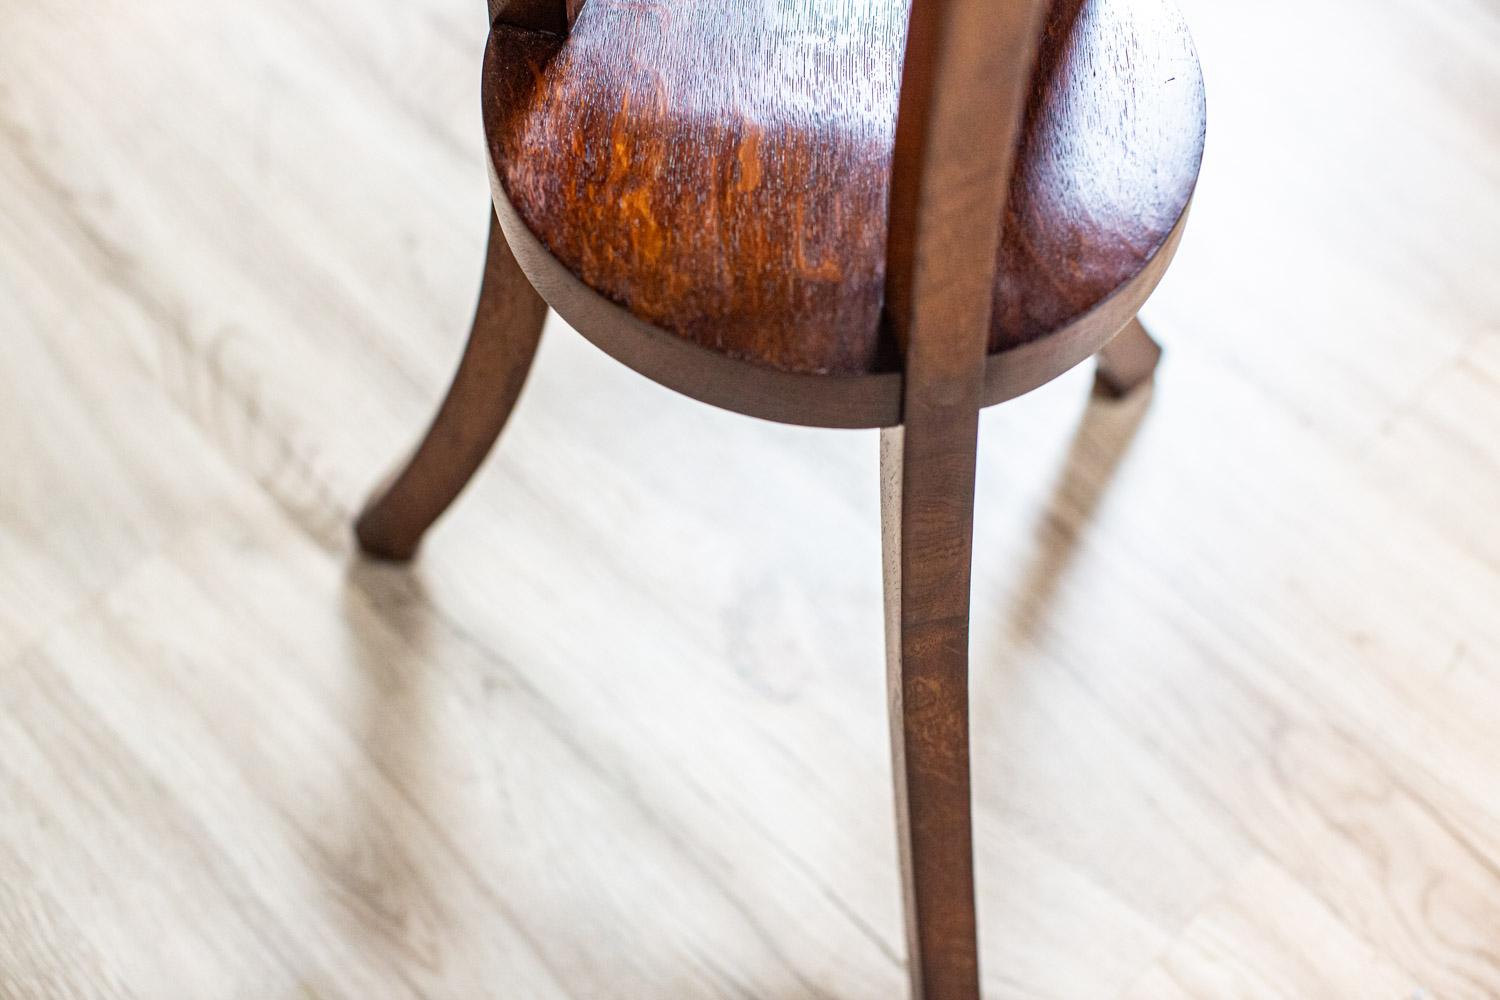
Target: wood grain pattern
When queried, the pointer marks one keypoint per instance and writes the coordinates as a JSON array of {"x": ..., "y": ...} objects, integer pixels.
[
  {"x": 722, "y": 170},
  {"x": 847, "y": 401},
  {"x": 1233, "y": 647},
  {"x": 965, "y": 82}
]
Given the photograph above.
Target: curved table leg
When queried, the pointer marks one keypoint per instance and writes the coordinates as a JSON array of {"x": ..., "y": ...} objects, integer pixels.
[
  {"x": 927, "y": 509},
  {"x": 502, "y": 342}
]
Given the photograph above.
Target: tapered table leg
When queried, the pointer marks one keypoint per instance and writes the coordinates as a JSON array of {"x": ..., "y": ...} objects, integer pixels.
[
  {"x": 927, "y": 504},
  {"x": 502, "y": 342}
]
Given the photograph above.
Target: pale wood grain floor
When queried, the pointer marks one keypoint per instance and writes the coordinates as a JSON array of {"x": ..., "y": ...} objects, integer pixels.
[{"x": 620, "y": 733}]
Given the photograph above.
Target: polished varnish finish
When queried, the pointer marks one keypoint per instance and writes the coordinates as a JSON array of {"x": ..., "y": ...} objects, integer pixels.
[
  {"x": 722, "y": 170},
  {"x": 846, "y": 401},
  {"x": 731, "y": 199},
  {"x": 617, "y": 736},
  {"x": 964, "y": 90}
]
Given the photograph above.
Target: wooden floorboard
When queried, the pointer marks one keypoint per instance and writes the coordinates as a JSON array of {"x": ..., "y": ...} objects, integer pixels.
[{"x": 620, "y": 731}]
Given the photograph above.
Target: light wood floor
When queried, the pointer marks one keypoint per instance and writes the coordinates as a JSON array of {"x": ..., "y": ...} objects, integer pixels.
[{"x": 620, "y": 732}]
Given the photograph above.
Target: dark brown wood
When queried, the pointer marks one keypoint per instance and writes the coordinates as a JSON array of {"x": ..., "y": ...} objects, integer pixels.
[
  {"x": 927, "y": 642},
  {"x": 734, "y": 200},
  {"x": 1127, "y": 361},
  {"x": 965, "y": 85},
  {"x": 721, "y": 379},
  {"x": 554, "y": 16},
  {"x": 502, "y": 342},
  {"x": 1107, "y": 166},
  {"x": 721, "y": 170}
]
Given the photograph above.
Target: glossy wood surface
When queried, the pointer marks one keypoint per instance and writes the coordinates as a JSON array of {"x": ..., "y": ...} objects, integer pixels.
[
  {"x": 722, "y": 170},
  {"x": 621, "y": 734},
  {"x": 965, "y": 81},
  {"x": 844, "y": 401}
]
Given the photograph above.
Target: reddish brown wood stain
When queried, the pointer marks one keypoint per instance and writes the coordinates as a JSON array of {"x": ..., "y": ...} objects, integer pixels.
[
  {"x": 726, "y": 171},
  {"x": 722, "y": 170}
]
